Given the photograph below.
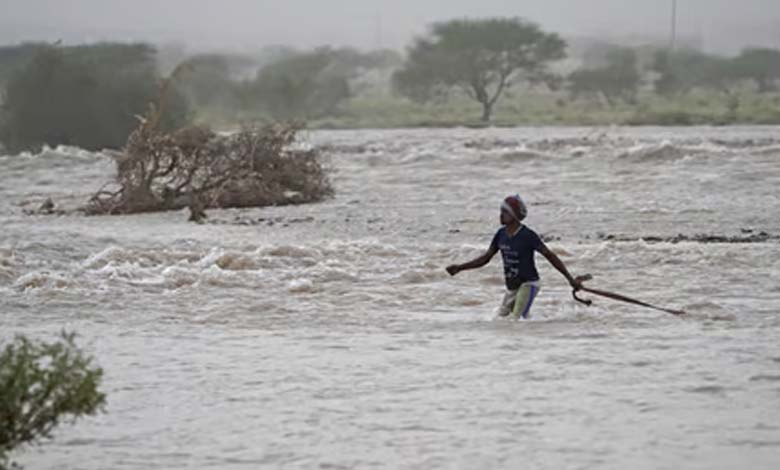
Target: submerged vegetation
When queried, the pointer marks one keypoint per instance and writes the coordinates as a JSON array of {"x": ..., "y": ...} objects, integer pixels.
[{"x": 42, "y": 385}]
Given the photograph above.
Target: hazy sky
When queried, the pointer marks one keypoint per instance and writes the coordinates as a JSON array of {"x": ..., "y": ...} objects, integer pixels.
[{"x": 719, "y": 24}]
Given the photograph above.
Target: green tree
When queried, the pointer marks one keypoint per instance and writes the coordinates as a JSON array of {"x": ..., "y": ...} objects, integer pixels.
[
  {"x": 86, "y": 96},
  {"x": 208, "y": 83},
  {"x": 619, "y": 79},
  {"x": 41, "y": 385},
  {"x": 759, "y": 65},
  {"x": 680, "y": 72},
  {"x": 303, "y": 86},
  {"x": 15, "y": 58},
  {"x": 480, "y": 57},
  {"x": 42, "y": 102}
]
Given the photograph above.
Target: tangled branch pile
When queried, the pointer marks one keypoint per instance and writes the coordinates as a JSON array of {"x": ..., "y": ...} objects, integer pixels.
[{"x": 197, "y": 168}]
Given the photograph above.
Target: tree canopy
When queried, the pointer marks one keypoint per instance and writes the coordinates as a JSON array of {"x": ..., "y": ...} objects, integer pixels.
[
  {"x": 86, "y": 96},
  {"x": 619, "y": 79},
  {"x": 15, "y": 58},
  {"x": 760, "y": 65},
  {"x": 480, "y": 57},
  {"x": 681, "y": 71},
  {"x": 304, "y": 85}
]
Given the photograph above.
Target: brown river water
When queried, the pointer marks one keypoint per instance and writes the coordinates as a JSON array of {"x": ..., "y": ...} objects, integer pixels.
[{"x": 329, "y": 335}]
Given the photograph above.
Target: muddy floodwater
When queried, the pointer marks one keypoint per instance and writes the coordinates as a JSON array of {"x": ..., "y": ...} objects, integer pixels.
[{"x": 329, "y": 335}]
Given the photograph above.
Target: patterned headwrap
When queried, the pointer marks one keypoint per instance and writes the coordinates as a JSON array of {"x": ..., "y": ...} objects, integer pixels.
[{"x": 515, "y": 206}]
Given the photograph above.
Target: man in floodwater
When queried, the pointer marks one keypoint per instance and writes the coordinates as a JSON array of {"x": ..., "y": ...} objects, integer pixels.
[{"x": 517, "y": 243}]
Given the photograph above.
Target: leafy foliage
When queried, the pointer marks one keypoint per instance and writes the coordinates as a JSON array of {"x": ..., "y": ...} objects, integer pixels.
[
  {"x": 480, "y": 57},
  {"x": 15, "y": 58},
  {"x": 304, "y": 85},
  {"x": 209, "y": 81},
  {"x": 681, "y": 71},
  {"x": 86, "y": 96},
  {"x": 619, "y": 79},
  {"x": 41, "y": 385},
  {"x": 759, "y": 65}
]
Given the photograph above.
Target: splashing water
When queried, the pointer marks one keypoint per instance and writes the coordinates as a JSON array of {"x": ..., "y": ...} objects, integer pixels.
[{"x": 329, "y": 335}]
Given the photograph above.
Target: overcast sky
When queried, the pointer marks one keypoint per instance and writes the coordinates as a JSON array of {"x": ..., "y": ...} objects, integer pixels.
[{"x": 243, "y": 24}]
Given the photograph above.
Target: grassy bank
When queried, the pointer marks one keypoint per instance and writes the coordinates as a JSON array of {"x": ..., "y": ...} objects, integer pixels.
[{"x": 388, "y": 111}]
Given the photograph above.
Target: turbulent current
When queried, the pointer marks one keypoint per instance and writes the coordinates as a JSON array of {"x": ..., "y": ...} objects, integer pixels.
[{"x": 330, "y": 336}]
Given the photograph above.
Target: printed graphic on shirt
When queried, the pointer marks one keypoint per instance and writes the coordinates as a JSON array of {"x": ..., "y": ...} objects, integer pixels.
[{"x": 517, "y": 252}]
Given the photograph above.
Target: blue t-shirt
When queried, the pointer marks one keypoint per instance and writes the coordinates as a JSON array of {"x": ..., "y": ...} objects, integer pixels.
[{"x": 518, "y": 255}]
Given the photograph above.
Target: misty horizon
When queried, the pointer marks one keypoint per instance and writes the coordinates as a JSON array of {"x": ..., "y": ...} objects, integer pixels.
[{"x": 713, "y": 25}]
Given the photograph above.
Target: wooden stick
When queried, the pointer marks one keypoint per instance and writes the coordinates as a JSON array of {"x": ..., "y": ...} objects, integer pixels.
[{"x": 614, "y": 296}]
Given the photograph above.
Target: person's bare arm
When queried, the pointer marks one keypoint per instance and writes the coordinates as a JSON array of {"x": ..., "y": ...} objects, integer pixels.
[
  {"x": 558, "y": 264},
  {"x": 473, "y": 264}
]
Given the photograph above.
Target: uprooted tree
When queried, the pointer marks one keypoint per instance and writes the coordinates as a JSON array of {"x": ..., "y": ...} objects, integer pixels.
[{"x": 197, "y": 168}]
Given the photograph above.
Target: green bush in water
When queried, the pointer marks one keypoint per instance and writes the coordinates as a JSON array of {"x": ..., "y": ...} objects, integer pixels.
[{"x": 42, "y": 384}]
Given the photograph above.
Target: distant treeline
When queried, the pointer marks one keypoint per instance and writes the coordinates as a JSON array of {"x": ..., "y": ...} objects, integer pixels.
[
  {"x": 622, "y": 72},
  {"x": 89, "y": 95},
  {"x": 84, "y": 95}
]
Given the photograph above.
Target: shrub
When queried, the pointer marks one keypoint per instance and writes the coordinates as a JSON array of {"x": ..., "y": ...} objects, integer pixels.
[{"x": 42, "y": 384}]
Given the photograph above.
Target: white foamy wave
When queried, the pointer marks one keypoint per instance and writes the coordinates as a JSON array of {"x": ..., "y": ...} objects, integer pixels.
[
  {"x": 520, "y": 155},
  {"x": 109, "y": 255},
  {"x": 292, "y": 251},
  {"x": 663, "y": 152},
  {"x": 54, "y": 157},
  {"x": 8, "y": 264},
  {"x": 419, "y": 157},
  {"x": 299, "y": 286},
  {"x": 333, "y": 274},
  {"x": 214, "y": 276},
  {"x": 360, "y": 248},
  {"x": 337, "y": 261},
  {"x": 231, "y": 260},
  {"x": 6, "y": 273},
  {"x": 146, "y": 258},
  {"x": 179, "y": 276},
  {"x": 41, "y": 280},
  {"x": 421, "y": 276}
]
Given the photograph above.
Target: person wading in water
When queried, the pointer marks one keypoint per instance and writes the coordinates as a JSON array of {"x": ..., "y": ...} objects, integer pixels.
[{"x": 517, "y": 244}]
